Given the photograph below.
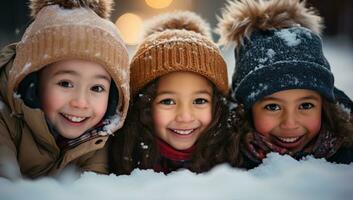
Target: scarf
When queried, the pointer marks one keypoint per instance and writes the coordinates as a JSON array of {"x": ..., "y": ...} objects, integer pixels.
[{"x": 172, "y": 159}]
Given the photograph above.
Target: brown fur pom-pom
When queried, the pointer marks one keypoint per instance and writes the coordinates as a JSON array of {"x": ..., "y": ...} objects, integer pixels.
[
  {"x": 102, "y": 8},
  {"x": 241, "y": 17},
  {"x": 178, "y": 20}
]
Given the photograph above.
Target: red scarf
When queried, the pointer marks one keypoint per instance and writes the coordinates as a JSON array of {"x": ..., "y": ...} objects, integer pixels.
[{"x": 173, "y": 154}]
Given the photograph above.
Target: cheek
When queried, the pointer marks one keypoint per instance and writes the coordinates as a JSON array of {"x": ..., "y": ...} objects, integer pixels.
[
  {"x": 100, "y": 107},
  {"x": 160, "y": 119},
  {"x": 263, "y": 124},
  {"x": 206, "y": 117},
  {"x": 50, "y": 101},
  {"x": 313, "y": 125}
]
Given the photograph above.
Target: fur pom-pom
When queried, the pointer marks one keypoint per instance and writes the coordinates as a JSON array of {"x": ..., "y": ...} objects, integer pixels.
[
  {"x": 178, "y": 20},
  {"x": 102, "y": 8},
  {"x": 241, "y": 17}
]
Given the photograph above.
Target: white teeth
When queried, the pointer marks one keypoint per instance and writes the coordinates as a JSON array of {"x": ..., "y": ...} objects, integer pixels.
[
  {"x": 74, "y": 119},
  {"x": 183, "y": 132},
  {"x": 288, "y": 140}
]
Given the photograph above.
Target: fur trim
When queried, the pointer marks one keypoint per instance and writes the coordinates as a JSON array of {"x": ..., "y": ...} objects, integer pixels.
[
  {"x": 241, "y": 17},
  {"x": 178, "y": 20},
  {"x": 102, "y": 8}
]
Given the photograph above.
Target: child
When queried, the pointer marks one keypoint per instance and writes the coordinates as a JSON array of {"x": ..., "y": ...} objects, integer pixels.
[
  {"x": 178, "y": 112},
  {"x": 64, "y": 90},
  {"x": 283, "y": 84}
]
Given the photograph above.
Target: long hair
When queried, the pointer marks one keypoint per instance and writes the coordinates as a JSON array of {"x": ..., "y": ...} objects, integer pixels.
[
  {"x": 334, "y": 119},
  {"x": 338, "y": 121},
  {"x": 134, "y": 146}
]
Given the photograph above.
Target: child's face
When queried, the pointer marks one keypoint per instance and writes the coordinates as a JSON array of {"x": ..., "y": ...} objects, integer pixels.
[
  {"x": 182, "y": 109},
  {"x": 74, "y": 95},
  {"x": 289, "y": 118}
]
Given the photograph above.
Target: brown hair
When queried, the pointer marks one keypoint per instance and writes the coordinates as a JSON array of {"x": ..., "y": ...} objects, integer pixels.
[
  {"x": 334, "y": 119},
  {"x": 134, "y": 145}
]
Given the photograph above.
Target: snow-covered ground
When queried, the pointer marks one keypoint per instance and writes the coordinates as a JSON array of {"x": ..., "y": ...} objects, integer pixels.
[{"x": 280, "y": 177}]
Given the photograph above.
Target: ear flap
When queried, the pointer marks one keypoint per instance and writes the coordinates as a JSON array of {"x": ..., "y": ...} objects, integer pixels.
[{"x": 28, "y": 90}]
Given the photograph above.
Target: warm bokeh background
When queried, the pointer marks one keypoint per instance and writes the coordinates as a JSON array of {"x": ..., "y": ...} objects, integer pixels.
[{"x": 129, "y": 15}]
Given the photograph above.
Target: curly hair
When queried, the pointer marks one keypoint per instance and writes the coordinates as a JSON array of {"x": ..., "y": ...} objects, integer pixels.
[
  {"x": 334, "y": 119},
  {"x": 134, "y": 146}
]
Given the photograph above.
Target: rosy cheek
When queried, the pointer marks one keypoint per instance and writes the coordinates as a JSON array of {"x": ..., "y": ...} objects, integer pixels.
[
  {"x": 313, "y": 125},
  {"x": 158, "y": 119},
  {"x": 263, "y": 125}
]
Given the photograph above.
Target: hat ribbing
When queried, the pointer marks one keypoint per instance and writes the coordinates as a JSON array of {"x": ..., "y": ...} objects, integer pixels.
[
  {"x": 59, "y": 33},
  {"x": 172, "y": 50},
  {"x": 278, "y": 47}
]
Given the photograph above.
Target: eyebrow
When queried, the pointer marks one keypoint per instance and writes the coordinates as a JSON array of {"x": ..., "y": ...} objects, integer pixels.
[
  {"x": 310, "y": 97},
  {"x": 197, "y": 92},
  {"x": 74, "y": 73}
]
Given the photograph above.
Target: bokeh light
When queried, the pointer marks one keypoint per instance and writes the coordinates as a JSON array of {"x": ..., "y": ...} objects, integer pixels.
[
  {"x": 130, "y": 26},
  {"x": 158, "y": 4}
]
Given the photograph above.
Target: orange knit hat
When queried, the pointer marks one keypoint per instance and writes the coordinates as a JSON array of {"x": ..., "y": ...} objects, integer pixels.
[
  {"x": 75, "y": 29},
  {"x": 178, "y": 41}
]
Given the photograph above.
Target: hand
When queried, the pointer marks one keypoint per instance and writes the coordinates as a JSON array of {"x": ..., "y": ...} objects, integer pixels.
[{"x": 256, "y": 146}]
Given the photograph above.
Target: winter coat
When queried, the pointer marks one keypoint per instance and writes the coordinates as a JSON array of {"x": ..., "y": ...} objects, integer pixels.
[{"x": 27, "y": 147}]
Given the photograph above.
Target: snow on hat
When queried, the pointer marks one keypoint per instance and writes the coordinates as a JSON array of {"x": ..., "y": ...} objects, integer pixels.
[
  {"x": 278, "y": 47},
  {"x": 72, "y": 29},
  {"x": 178, "y": 41}
]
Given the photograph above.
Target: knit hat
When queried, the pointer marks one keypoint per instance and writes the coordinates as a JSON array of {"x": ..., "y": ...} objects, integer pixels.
[
  {"x": 72, "y": 29},
  {"x": 178, "y": 41},
  {"x": 278, "y": 47}
]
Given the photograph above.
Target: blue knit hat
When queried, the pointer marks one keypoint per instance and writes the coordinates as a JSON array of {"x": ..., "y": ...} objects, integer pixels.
[{"x": 278, "y": 47}]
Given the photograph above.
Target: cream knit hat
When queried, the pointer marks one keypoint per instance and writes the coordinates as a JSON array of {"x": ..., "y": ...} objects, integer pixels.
[
  {"x": 72, "y": 29},
  {"x": 177, "y": 41}
]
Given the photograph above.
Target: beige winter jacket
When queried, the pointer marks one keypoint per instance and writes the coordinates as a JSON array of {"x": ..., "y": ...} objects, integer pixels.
[{"x": 27, "y": 148}]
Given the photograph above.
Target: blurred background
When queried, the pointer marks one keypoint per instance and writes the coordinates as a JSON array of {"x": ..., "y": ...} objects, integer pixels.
[{"x": 129, "y": 15}]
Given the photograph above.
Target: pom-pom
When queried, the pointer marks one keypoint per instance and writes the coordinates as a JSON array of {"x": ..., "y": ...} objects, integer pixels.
[
  {"x": 241, "y": 17},
  {"x": 102, "y": 8},
  {"x": 178, "y": 20}
]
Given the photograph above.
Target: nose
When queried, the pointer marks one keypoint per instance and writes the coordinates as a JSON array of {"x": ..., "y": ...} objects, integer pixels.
[
  {"x": 184, "y": 114},
  {"x": 289, "y": 120},
  {"x": 79, "y": 100}
]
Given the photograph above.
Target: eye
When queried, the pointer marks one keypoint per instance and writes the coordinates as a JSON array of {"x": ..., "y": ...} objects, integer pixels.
[
  {"x": 306, "y": 106},
  {"x": 272, "y": 107},
  {"x": 200, "y": 101},
  {"x": 65, "y": 84},
  {"x": 98, "y": 88},
  {"x": 167, "y": 102}
]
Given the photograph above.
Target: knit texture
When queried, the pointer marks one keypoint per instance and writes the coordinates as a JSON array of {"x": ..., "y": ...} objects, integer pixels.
[
  {"x": 274, "y": 60},
  {"x": 277, "y": 47},
  {"x": 173, "y": 50},
  {"x": 72, "y": 33}
]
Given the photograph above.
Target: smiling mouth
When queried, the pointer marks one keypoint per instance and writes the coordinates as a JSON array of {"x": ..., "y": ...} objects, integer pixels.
[
  {"x": 74, "y": 119},
  {"x": 183, "y": 131},
  {"x": 288, "y": 139}
]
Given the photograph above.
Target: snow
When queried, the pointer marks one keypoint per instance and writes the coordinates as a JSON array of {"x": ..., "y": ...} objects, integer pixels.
[
  {"x": 290, "y": 38},
  {"x": 112, "y": 124},
  {"x": 344, "y": 108},
  {"x": 270, "y": 53},
  {"x": 279, "y": 177},
  {"x": 338, "y": 52}
]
